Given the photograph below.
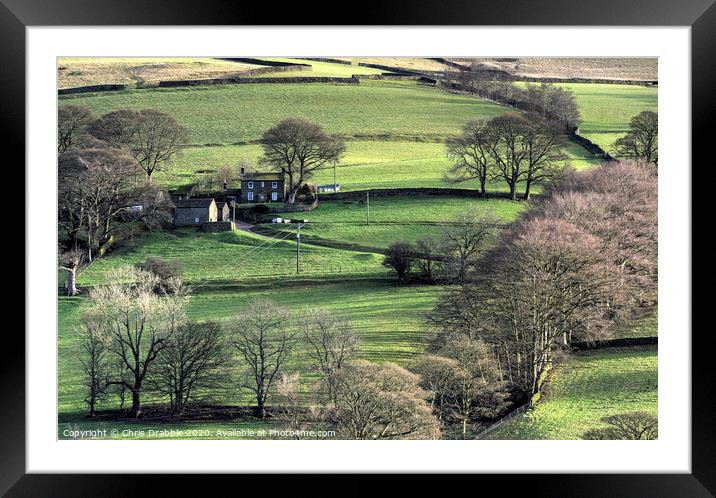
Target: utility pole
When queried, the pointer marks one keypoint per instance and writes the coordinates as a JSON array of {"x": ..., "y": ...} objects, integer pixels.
[
  {"x": 298, "y": 247},
  {"x": 367, "y": 203},
  {"x": 334, "y": 177}
]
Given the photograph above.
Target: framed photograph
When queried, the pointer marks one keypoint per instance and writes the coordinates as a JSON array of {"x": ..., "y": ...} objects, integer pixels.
[{"x": 455, "y": 240}]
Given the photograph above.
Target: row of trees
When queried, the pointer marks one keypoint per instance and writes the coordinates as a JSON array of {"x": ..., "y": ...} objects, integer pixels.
[
  {"x": 552, "y": 103},
  {"x": 136, "y": 339},
  {"x": 583, "y": 259},
  {"x": 450, "y": 257},
  {"x": 513, "y": 148}
]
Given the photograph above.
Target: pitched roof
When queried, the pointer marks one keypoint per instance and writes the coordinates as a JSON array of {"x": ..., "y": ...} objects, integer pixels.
[
  {"x": 194, "y": 203},
  {"x": 261, "y": 176},
  {"x": 220, "y": 204}
]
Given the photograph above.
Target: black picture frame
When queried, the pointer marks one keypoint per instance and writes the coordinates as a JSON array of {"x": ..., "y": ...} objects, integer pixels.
[{"x": 16, "y": 15}]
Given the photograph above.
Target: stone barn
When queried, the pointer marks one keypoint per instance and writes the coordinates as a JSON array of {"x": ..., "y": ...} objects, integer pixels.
[
  {"x": 194, "y": 212},
  {"x": 222, "y": 211}
]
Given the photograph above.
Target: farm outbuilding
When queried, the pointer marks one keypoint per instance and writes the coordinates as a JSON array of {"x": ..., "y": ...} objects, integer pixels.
[
  {"x": 195, "y": 212},
  {"x": 329, "y": 189},
  {"x": 222, "y": 210}
]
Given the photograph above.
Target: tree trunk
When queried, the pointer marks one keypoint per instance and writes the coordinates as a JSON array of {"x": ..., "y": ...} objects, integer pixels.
[
  {"x": 136, "y": 410},
  {"x": 513, "y": 191},
  {"x": 528, "y": 188},
  {"x": 71, "y": 283},
  {"x": 261, "y": 409}
]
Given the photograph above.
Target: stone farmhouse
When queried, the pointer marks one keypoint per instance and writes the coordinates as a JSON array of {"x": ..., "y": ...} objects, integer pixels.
[
  {"x": 262, "y": 187},
  {"x": 255, "y": 187}
]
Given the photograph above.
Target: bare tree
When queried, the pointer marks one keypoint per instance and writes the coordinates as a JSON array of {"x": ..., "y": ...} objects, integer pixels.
[
  {"x": 72, "y": 123},
  {"x": 465, "y": 240},
  {"x": 263, "y": 337},
  {"x": 139, "y": 322},
  {"x": 288, "y": 392},
  {"x": 545, "y": 152},
  {"x": 509, "y": 149},
  {"x": 471, "y": 153},
  {"x": 552, "y": 280},
  {"x": 95, "y": 346},
  {"x": 95, "y": 187},
  {"x": 642, "y": 141},
  {"x": 461, "y": 310},
  {"x": 429, "y": 253},
  {"x": 152, "y": 136},
  {"x": 399, "y": 257},
  {"x": 168, "y": 273},
  {"x": 117, "y": 128},
  {"x": 331, "y": 342},
  {"x": 632, "y": 426},
  {"x": 70, "y": 262},
  {"x": 475, "y": 386},
  {"x": 297, "y": 148},
  {"x": 617, "y": 203},
  {"x": 382, "y": 402},
  {"x": 436, "y": 376},
  {"x": 189, "y": 362}
]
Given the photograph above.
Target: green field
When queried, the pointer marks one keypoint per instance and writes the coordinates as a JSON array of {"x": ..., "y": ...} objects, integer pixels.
[
  {"x": 607, "y": 109},
  {"x": 391, "y": 219},
  {"x": 231, "y": 114},
  {"x": 592, "y": 385},
  {"x": 230, "y": 258},
  {"x": 367, "y": 164},
  {"x": 394, "y": 129}
]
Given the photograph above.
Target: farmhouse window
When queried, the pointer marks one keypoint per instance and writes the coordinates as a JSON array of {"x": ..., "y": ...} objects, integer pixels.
[
  {"x": 196, "y": 219},
  {"x": 274, "y": 184},
  {"x": 251, "y": 184},
  {"x": 262, "y": 184},
  {"x": 274, "y": 196},
  {"x": 251, "y": 196}
]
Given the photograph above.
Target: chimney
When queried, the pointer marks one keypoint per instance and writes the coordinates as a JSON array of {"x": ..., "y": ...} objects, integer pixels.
[
  {"x": 225, "y": 185},
  {"x": 242, "y": 170}
]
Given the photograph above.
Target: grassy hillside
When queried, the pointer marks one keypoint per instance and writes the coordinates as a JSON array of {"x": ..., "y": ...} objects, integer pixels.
[
  {"x": 607, "y": 109},
  {"x": 367, "y": 164},
  {"x": 234, "y": 257},
  {"x": 230, "y": 114},
  {"x": 391, "y": 219},
  {"x": 593, "y": 385},
  {"x": 395, "y": 129}
]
